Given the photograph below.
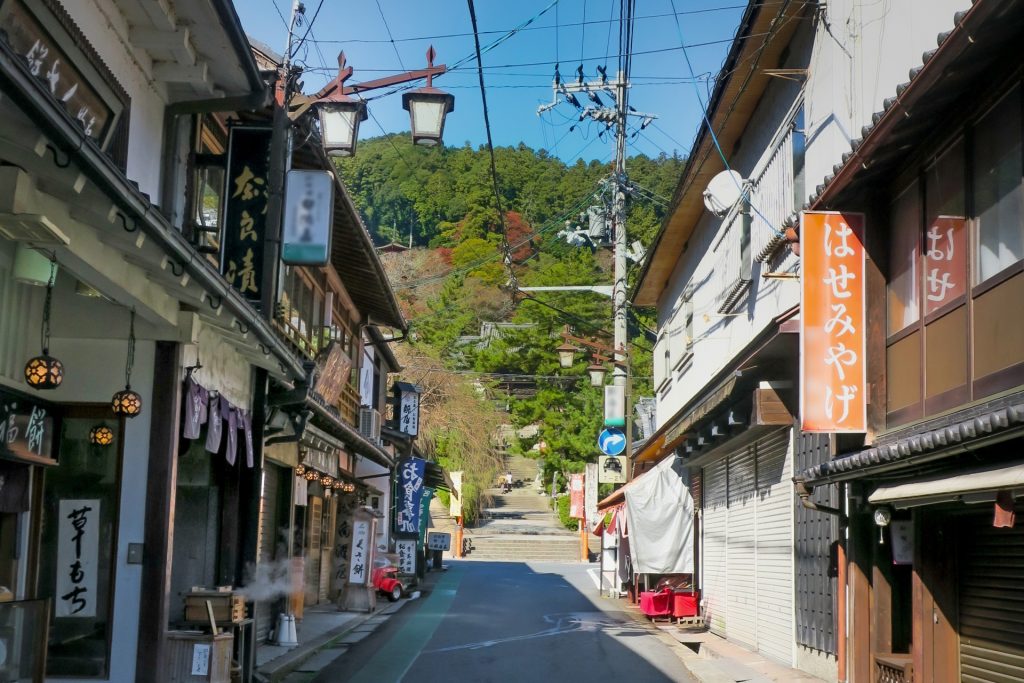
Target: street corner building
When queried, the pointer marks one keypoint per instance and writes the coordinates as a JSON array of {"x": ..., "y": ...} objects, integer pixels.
[
  {"x": 190, "y": 415},
  {"x": 839, "y": 369}
]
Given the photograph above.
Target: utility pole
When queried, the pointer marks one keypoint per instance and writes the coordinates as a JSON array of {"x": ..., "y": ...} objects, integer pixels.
[
  {"x": 620, "y": 376},
  {"x": 280, "y": 156}
]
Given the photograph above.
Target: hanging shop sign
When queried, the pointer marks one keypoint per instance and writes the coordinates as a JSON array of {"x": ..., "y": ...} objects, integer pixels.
[
  {"x": 439, "y": 540},
  {"x": 334, "y": 368},
  {"x": 590, "y": 491},
  {"x": 610, "y": 470},
  {"x": 26, "y": 429},
  {"x": 409, "y": 495},
  {"x": 614, "y": 405},
  {"x": 359, "y": 567},
  {"x": 406, "y": 549},
  {"x": 407, "y": 407},
  {"x": 245, "y": 209},
  {"x": 308, "y": 216},
  {"x": 78, "y": 535},
  {"x": 59, "y": 57},
  {"x": 833, "y": 371},
  {"x": 576, "y": 497},
  {"x": 455, "y": 499}
]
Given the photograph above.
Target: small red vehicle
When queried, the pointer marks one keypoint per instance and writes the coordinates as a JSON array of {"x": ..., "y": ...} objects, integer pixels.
[{"x": 385, "y": 580}]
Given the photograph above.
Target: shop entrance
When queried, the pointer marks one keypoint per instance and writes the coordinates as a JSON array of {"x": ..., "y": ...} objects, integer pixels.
[{"x": 78, "y": 547}]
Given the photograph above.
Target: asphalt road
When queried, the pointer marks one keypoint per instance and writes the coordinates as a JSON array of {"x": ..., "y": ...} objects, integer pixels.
[{"x": 507, "y": 622}]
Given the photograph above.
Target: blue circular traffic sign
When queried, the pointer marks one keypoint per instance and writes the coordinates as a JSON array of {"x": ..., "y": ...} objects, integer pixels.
[{"x": 611, "y": 441}]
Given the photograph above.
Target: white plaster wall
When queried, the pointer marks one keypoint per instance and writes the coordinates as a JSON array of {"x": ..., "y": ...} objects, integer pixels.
[
  {"x": 106, "y": 29},
  {"x": 853, "y": 65},
  {"x": 717, "y": 338},
  {"x": 871, "y": 49},
  {"x": 94, "y": 371}
]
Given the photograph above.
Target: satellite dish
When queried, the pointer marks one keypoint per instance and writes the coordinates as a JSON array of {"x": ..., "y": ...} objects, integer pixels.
[{"x": 722, "y": 193}]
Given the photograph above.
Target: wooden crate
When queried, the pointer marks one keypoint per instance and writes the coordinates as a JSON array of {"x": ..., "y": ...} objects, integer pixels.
[
  {"x": 227, "y": 607},
  {"x": 209, "y": 656}
]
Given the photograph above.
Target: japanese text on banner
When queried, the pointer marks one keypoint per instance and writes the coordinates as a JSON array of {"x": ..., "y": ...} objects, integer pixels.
[{"x": 832, "y": 340}]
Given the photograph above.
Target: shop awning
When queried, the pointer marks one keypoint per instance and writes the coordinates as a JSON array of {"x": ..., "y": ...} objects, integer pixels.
[
  {"x": 972, "y": 433},
  {"x": 436, "y": 478},
  {"x": 617, "y": 496},
  {"x": 952, "y": 487},
  {"x": 660, "y": 514}
]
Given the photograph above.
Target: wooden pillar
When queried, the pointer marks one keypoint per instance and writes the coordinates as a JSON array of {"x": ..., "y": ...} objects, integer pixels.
[
  {"x": 158, "y": 537},
  {"x": 935, "y": 640},
  {"x": 252, "y": 480},
  {"x": 858, "y": 577}
]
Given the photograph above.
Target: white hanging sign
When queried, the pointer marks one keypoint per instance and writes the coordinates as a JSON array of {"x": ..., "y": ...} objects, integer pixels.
[
  {"x": 78, "y": 535},
  {"x": 406, "y": 549},
  {"x": 359, "y": 567},
  {"x": 308, "y": 216}
]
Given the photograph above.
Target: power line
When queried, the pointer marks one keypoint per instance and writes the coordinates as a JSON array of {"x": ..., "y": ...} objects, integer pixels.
[
  {"x": 390, "y": 37},
  {"x": 490, "y": 149},
  {"x": 711, "y": 128},
  {"x": 309, "y": 27},
  {"x": 458, "y": 65},
  {"x": 548, "y": 27}
]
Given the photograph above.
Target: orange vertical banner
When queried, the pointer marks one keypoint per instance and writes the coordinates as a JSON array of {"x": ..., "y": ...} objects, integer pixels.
[{"x": 833, "y": 370}]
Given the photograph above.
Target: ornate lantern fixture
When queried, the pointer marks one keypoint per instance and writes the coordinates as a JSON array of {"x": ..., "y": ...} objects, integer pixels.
[
  {"x": 300, "y": 470},
  {"x": 127, "y": 402},
  {"x": 326, "y": 480},
  {"x": 312, "y": 475},
  {"x": 339, "y": 125},
  {"x": 44, "y": 371},
  {"x": 101, "y": 435},
  {"x": 427, "y": 108},
  {"x": 597, "y": 372},
  {"x": 348, "y": 487},
  {"x": 566, "y": 354}
]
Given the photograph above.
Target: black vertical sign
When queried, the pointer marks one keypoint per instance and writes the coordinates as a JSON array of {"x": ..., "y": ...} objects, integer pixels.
[{"x": 245, "y": 209}]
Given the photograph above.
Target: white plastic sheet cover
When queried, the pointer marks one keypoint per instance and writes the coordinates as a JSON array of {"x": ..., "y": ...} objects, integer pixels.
[{"x": 660, "y": 511}]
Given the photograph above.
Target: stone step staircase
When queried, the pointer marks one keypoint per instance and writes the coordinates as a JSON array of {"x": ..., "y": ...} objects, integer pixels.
[{"x": 518, "y": 525}]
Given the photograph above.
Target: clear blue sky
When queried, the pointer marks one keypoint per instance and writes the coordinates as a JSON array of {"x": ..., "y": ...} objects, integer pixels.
[{"x": 518, "y": 72}]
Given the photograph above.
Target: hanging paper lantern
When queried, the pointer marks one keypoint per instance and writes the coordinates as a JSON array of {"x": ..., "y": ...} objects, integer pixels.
[
  {"x": 101, "y": 435},
  {"x": 126, "y": 402},
  {"x": 44, "y": 372}
]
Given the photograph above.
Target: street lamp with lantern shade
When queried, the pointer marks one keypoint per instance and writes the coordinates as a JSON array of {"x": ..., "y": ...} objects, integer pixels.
[
  {"x": 427, "y": 109},
  {"x": 597, "y": 371},
  {"x": 340, "y": 115},
  {"x": 566, "y": 354},
  {"x": 339, "y": 125}
]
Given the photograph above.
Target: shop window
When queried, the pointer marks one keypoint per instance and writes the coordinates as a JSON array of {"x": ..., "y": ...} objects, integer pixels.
[
  {"x": 998, "y": 195},
  {"x": 207, "y": 186},
  {"x": 951, "y": 286},
  {"x": 904, "y": 255},
  {"x": 79, "y": 545}
]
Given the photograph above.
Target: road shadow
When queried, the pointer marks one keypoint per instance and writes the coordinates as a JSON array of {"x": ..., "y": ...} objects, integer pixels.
[{"x": 511, "y": 622}]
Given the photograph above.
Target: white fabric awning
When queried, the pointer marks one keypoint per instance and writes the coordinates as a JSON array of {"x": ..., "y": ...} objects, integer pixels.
[
  {"x": 951, "y": 487},
  {"x": 660, "y": 518}
]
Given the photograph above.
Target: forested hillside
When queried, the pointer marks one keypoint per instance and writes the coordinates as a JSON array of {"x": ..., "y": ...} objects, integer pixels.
[{"x": 455, "y": 278}]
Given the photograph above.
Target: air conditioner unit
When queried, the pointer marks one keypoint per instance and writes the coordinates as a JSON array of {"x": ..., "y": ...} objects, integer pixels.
[{"x": 369, "y": 424}]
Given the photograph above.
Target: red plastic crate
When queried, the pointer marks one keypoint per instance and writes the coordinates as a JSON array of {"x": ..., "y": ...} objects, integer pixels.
[
  {"x": 685, "y": 604},
  {"x": 656, "y": 604}
]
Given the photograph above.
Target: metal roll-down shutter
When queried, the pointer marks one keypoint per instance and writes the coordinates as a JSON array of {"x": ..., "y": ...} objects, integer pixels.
[{"x": 991, "y": 601}]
